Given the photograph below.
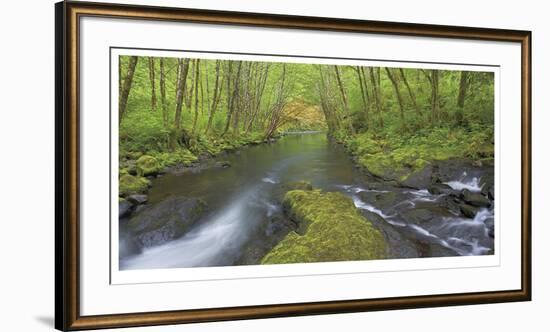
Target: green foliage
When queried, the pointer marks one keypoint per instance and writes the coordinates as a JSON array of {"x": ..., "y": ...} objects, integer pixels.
[
  {"x": 391, "y": 141},
  {"x": 395, "y": 156},
  {"x": 331, "y": 229}
]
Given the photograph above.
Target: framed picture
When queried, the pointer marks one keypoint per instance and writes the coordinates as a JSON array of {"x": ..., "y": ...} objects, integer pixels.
[{"x": 220, "y": 165}]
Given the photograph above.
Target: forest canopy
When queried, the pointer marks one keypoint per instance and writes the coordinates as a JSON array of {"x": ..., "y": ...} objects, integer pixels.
[{"x": 177, "y": 109}]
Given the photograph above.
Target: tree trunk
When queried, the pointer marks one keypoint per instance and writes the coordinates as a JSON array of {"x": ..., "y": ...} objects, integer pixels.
[
  {"x": 363, "y": 96},
  {"x": 237, "y": 108},
  {"x": 125, "y": 87},
  {"x": 435, "y": 95},
  {"x": 183, "y": 69},
  {"x": 163, "y": 94},
  {"x": 258, "y": 94},
  {"x": 411, "y": 94},
  {"x": 152, "y": 79},
  {"x": 188, "y": 92},
  {"x": 197, "y": 61},
  {"x": 214, "y": 98},
  {"x": 278, "y": 108},
  {"x": 231, "y": 95},
  {"x": 331, "y": 116},
  {"x": 397, "y": 94},
  {"x": 376, "y": 94},
  {"x": 459, "y": 115},
  {"x": 344, "y": 100}
]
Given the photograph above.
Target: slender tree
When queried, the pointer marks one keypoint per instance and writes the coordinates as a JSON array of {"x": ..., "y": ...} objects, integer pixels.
[
  {"x": 331, "y": 115},
  {"x": 232, "y": 94},
  {"x": 261, "y": 81},
  {"x": 183, "y": 69},
  {"x": 197, "y": 61},
  {"x": 459, "y": 115},
  {"x": 215, "y": 98},
  {"x": 410, "y": 92},
  {"x": 162, "y": 83},
  {"x": 278, "y": 107},
  {"x": 376, "y": 94},
  {"x": 125, "y": 87},
  {"x": 152, "y": 80},
  {"x": 435, "y": 95},
  {"x": 358, "y": 70},
  {"x": 344, "y": 99},
  {"x": 395, "y": 85}
]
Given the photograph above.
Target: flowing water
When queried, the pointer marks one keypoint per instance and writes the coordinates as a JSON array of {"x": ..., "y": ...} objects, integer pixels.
[{"x": 244, "y": 201}]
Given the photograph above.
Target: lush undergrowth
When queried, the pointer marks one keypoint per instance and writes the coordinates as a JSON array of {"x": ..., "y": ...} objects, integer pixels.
[{"x": 393, "y": 155}]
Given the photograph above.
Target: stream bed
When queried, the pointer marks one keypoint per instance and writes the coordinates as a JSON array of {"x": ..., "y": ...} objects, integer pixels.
[{"x": 244, "y": 218}]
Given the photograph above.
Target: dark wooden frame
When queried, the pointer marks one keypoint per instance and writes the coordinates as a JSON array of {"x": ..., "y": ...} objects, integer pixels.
[{"x": 67, "y": 306}]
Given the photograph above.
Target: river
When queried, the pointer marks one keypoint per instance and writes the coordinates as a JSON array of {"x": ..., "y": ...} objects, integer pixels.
[{"x": 245, "y": 215}]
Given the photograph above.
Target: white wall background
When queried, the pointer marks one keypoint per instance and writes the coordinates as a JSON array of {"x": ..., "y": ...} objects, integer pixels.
[{"x": 27, "y": 164}]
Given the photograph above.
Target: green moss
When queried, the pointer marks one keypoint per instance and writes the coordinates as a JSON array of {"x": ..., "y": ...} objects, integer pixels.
[
  {"x": 147, "y": 165},
  {"x": 129, "y": 185},
  {"x": 122, "y": 171},
  {"x": 332, "y": 228},
  {"x": 178, "y": 157},
  {"x": 397, "y": 155}
]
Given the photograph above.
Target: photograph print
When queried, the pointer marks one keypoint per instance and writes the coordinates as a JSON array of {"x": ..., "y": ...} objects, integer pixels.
[{"x": 225, "y": 161}]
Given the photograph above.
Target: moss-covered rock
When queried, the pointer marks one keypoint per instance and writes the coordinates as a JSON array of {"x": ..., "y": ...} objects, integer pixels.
[
  {"x": 129, "y": 185},
  {"x": 147, "y": 165},
  {"x": 180, "y": 156},
  {"x": 330, "y": 229}
]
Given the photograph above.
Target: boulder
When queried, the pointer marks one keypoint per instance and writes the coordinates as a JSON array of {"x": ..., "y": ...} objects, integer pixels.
[
  {"x": 137, "y": 199},
  {"x": 330, "y": 229},
  {"x": 223, "y": 164},
  {"x": 166, "y": 220},
  {"x": 440, "y": 188},
  {"x": 398, "y": 245},
  {"x": 147, "y": 165},
  {"x": 124, "y": 207},
  {"x": 468, "y": 210},
  {"x": 419, "y": 179},
  {"x": 418, "y": 216},
  {"x": 451, "y": 203},
  {"x": 383, "y": 200},
  {"x": 475, "y": 199}
]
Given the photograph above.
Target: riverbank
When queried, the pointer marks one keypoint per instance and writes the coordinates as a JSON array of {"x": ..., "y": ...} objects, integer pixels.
[
  {"x": 408, "y": 158},
  {"x": 137, "y": 168}
]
